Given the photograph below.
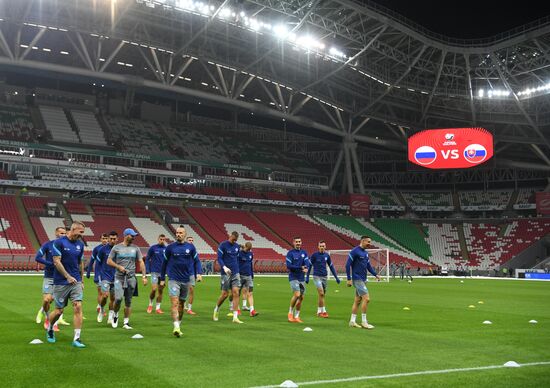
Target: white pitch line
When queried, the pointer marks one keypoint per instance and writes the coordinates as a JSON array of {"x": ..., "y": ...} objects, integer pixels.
[{"x": 425, "y": 372}]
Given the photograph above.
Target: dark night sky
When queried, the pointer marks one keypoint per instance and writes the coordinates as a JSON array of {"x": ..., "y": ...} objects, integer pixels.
[{"x": 468, "y": 19}]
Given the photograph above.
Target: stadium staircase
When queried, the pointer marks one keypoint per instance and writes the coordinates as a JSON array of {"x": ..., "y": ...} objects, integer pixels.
[
  {"x": 401, "y": 199},
  {"x": 463, "y": 245},
  {"x": 200, "y": 230},
  {"x": 513, "y": 200},
  {"x": 24, "y": 217},
  {"x": 405, "y": 233},
  {"x": 73, "y": 124},
  {"x": 456, "y": 200}
]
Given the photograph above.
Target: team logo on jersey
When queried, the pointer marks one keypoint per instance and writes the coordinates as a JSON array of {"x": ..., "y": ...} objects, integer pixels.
[
  {"x": 236, "y": 249},
  {"x": 475, "y": 153},
  {"x": 425, "y": 155},
  {"x": 303, "y": 255},
  {"x": 78, "y": 247},
  {"x": 187, "y": 251}
]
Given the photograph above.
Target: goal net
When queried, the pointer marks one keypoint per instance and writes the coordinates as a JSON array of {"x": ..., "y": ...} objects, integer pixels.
[{"x": 379, "y": 259}]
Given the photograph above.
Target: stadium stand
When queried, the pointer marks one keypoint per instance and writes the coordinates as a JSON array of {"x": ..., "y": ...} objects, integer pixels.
[
  {"x": 89, "y": 128},
  {"x": 138, "y": 136},
  {"x": 415, "y": 198},
  {"x": 13, "y": 237},
  {"x": 494, "y": 200},
  {"x": 406, "y": 234},
  {"x": 387, "y": 198},
  {"x": 444, "y": 243},
  {"x": 15, "y": 123},
  {"x": 219, "y": 222},
  {"x": 525, "y": 196},
  {"x": 57, "y": 124}
]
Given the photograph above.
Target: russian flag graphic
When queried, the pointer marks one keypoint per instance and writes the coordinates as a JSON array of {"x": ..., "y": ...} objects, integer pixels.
[
  {"x": 475, "y": 153},
  {"x": 425, "y": 155}
]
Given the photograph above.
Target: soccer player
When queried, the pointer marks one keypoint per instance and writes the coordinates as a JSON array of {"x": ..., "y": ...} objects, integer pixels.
[
  {"x": 154, "y": 260},
  {"x": 297, "y": 263},
  {"x": 198, "y": 271},
  {"x": 181, "y": 259},
  {"x": 228, "y": 259},
  {"x": 123, "y": 257},
  {"x": 408, "y": 272},
  {"x": 246, "y": 270},
  {"x": 68, "y": 252},
  {"x": 356, "y": 270},
  {"x": 96, "y": 267},
  {"x": 319, "y": 261},
  {"x": 45, "y": 256},
  {"x": 106, "y": 278}
]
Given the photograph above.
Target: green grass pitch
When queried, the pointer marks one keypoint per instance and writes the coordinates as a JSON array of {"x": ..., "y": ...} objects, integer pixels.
[{"x": 438, "y": 332}]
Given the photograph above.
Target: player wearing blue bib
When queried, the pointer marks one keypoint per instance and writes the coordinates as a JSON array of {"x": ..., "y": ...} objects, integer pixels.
[
  {"x": 93, "y": 264},
  {"x": 356, "y": 270},
  {"x": 297, "y": 263},
  {"x": 180, "y": 263},
  {"x": 228, "y": 259},
  {"x": 68, "y": 252},
  {"x": 319, "y": 262},
  {"x": 153, "y": 262},
  {"x": 45, "y": 256}
]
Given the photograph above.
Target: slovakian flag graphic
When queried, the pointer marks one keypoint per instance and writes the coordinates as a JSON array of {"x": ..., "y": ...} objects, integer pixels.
[
  {"x": 475, "y": 153},
  {"x": 425, "y": 155}
]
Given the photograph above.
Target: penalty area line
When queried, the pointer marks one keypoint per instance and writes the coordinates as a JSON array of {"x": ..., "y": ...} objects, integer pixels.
[{"x": 419, "y": 373}]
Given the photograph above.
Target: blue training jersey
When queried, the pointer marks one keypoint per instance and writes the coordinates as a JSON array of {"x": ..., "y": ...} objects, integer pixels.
[
  {"x": 71, "y": 253},
  {"x": 106, "y": 271},
  {"x": 93, "y": 259},
  {"x": 45, "y": 256},
  {"x": 319, "y": 262},
  {"x": 295, "y": 260},
  {"x": 155, "y": 258},
  {"x": 181, "y": 261},
  {"x": 359, "y": 263},
  {"x": 228, "y": 255},
  {"x": 246, "y": 263}
]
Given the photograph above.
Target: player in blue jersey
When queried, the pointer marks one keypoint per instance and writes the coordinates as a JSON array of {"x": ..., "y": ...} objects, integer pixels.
[
  {"x": 192, "y": 281},
  {"x": 356, "y": 270},
  {"x": 297, "y": 263},
  {"x": 319, "y": 261},
  {"x": 45, "y": 256},
  {"x": 93, "y": 264},
  {"x": 180, "y": 263},
  {"x": 106, "y": 278},
  {"x": 228, "y": 259},
  {"x": 68, "y": 252},
  {"x": 246, "y": 270},
  {"x": 153, "y": 261}
]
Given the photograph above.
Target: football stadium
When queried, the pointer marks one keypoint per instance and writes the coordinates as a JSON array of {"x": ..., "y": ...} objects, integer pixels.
[{"x": 259, "y": 193}]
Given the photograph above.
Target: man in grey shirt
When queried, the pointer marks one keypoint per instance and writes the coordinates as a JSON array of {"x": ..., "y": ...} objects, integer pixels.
[{"x": 123, "y": 257}]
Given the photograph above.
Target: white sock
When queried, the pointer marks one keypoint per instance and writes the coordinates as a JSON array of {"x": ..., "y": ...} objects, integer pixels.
[
  {"x": 76, "y": 334},
  {"x": 189, "y": 307},
  {"x": 324, "y": 309},
  {"x": 41, "y": 310},
  {"x": 290, "y": 310},
  {"x": 216, "y": 309},
  {"x": 319, "y": 310},
  {"x": 176, "y": 324},
  {"x": 235, "y": 315},
  {"x": 98, "y": 306},
  {"x": 297, "y": 314},
  {"x": 150, "y": 302},
  {"x": 158, "y": 306},
  {"x": 353, "y": 317},
  {"x": 364, "y": 318},
  {"x": 111, "y": 313},
  {"x": 244, "y": 303},
  {"x": 60, "y": 317},
  {"x": 126, "y": 321},
  {"x": 251, "y": 308}
]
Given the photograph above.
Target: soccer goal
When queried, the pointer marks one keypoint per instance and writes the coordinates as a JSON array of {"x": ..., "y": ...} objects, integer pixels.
[{"x": 379, "y": 259}]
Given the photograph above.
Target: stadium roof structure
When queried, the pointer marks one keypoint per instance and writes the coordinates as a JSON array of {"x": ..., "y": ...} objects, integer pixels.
[{"x": 354, "y": 70}]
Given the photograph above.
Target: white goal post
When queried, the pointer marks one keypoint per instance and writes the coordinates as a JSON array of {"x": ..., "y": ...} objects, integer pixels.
[{"x": 379, "y": 259}]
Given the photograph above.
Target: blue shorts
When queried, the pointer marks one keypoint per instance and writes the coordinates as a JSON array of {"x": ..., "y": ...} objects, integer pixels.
[{"x": 360, "y": 288}]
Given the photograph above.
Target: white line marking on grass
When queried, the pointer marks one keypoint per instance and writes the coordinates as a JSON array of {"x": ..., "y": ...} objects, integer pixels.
[{"x": 420, "y": 373}]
